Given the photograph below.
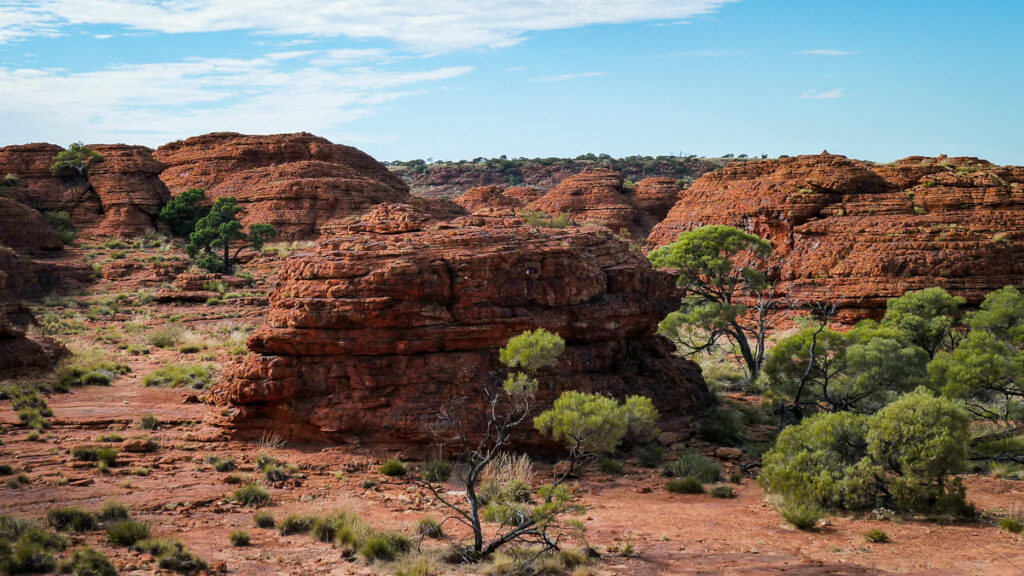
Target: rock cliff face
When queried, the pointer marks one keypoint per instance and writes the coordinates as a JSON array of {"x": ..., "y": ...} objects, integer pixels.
[
  {"x": 381, "y": 326},
  {"x": 859, "y": 233},
  {"x": 598, "y": 197},
  {"x": 297, "y": 182},
  {"x": 24, "y": 229},
  {"x": 120, "y": 195}
]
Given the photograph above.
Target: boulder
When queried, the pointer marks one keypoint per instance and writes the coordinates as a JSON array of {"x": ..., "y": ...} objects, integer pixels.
[
  {"x": 386, "y": 325},
  {"x": 24, "y": 229}
]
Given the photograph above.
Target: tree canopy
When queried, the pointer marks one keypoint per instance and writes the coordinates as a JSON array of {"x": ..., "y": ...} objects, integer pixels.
[
  {"x": 716, "y": 266},
  {"x": 183, "y": 212},
  {"x": 77, "y": 156},
  {"x": 210, "y": 243}
]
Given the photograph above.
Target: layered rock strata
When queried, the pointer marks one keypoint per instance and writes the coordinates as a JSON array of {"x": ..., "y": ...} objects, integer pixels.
[{"x": 380, "y": 328}]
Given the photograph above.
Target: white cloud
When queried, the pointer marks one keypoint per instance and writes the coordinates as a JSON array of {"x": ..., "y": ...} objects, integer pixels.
[
  {"x": 827, "y": 95},
  {"x": 825, "y": 52},
  {"x": 434, "y": 25},
  {"x": 564, "y": 77},
  {"x": 194, "y": 96}
]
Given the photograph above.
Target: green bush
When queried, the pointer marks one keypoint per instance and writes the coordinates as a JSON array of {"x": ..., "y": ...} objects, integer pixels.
[
  {"x": 172, "y": 555},
  {"x": 102, "y": 454},
  {"x": 239, "y": 538},
  {"x": 6, "y": 470},
  {"x": 649, "y": 455},
  {"x": 723, "y": 492},
  {"x": 110, "y": 438},
  {"x": 147, "y": 421},
  {"x": 685, "y": 485},
  {"x": 437, "y": 470},
  {"x": 610, "y": 466},
  {"x": 392, "y": 467},
  {"x": 87, "y": 562},
  {"x": 183, "y": 211},
  {"x": 33, "y": 418},
  {"x": 127, "y": 532},
  {"x": 429, "y": 528},
  {"x": 693, "y": 464},
  {"x": 903, "y": 458},
  {"x": 385, "y": 546},
  {"x": 195, "y": 376},
  {"x": 802, "y": 515},
  {"x": 221, "y": 464},
  {"x": 114, "y": 511},
  {"x": 324, "y": 529},
  {"x": 877, "y": 536},
  {"x": 1011, "y": 524},
  {"x": 263, "y": 519},
  {"x": 252, "y": 495},
  {"x": 296, "y": 524},
  {"x": 88, "y": 368},
  {"x": 69, "y": 519},
  {"x": 60, "y": 221},
  {"x": 167, "y": 336}
]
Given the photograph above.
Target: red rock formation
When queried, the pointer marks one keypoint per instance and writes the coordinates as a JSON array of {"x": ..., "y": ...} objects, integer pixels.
[
  {"x": 374, "y": 330},
  {"x": 297, "y": 182},
  {"x": 24, "y": 229},
  {"x": 129, "y": 188},
  {"x": 491, "y": 197},
  {"x": 654, "y": 197},
  {"x": 859, "y": 234},
  {"x": 593, "y": 197},
  {"x": 16, "y": 349},
  {"x": 120, "y": 195}
]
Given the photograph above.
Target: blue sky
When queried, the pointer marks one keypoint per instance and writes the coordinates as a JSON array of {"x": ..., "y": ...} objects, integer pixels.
[{"x": 453, "y": 79}]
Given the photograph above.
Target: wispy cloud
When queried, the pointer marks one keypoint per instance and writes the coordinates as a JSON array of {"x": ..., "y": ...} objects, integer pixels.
[
  {"x": 436, "y": 25},
  {"x": 564, "y": 77},
  {"x": 825, "y": 52},
  {"x": 827, "y": 95},
  {"x": 193, "y": 96}
]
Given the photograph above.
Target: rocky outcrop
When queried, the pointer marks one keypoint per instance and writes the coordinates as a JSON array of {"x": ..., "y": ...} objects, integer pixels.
[
  {"x": 120, "y": 195},
  {"x": 858, "y": 233},
  {"x": 297, "y": 182},
  {"x": 16, "y": 349},
  {"x": 129, "y": 188},
  {"x": 488, "y": 197},
  {"x": 24, "y": 229},
  {"x": 593, "y": 197},
  {"x": 654, "y": 197},
  {"x": 381, "y": 326}
]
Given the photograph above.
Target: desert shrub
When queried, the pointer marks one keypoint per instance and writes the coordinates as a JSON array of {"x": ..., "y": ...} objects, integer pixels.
[
  {"x": 392, "y": 467},
  {"x": 610, "y": 466},
  {"x": 324, "y": 529},
  {"x": 60, "y": 221},
  {"x": 877, "y": 536},
  {"x": 143, "y": 445},
  {"x": 693, "y": 464},
  {"x": 27, "y": 547},
  {"x": 88, "y": 368},
  {"x": 385, "y": 546},
  {"x": 114, "y": 511},
  {"x": 685, "y": 485},
  {"x": 437, "y": 470},
  {"x": 87, "y": 562},
  {"x": 172, "y": 555},
  {"x": 167, "y": 336},
  {"x": 296, "y": 524},
  {"x": 6, "y": 470},
  {"x": 723, "y": 492},
  {"x": 70, "y": 519},
  {"x": 736, "y": 477},
  {"x": 429, "y": 528},
  {"x": 110, "y": 438},
  {"x": 147, "y": 421},
  {"x": 649, "y": 455},
  {"x": 33, "y": 418},
  {"x": 127, "y": 532},
  {"x": 239, "y": 538},
  {"x": 263, "y": 519},
  {"x": 418, "y": 566},
  {"x": 102, "y": 454},
  {"x": 901, "y": 458},
  {"x": 195, "y": 376},
  {"x": 221, "y": 464},
  {"x": 252, "y": 495},
  {"x": 183, "y": 211},
  {"x": 802, "y": 515}
]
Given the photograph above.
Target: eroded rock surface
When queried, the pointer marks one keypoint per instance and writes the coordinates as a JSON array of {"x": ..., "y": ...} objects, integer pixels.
[
  {"x": 858, "y": 234},
  {"x": 297, "y": 182},
  {"x": 376, "y": 330}
]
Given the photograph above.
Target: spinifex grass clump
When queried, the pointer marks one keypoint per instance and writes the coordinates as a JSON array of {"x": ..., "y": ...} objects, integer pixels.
[
  {"x": 693, "y": 464},
  {"x": 195, "y": 376},
  {"x": 87, "y": 562},
  {"x": 685, "y": 485},
  {"x": 127, "y": 532},
  {"x": 70, "y": 519},
  {"x": 252, "y": 495},
  {"x": 172, "y": 555},
  {"x": 26, "y": 547}
]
